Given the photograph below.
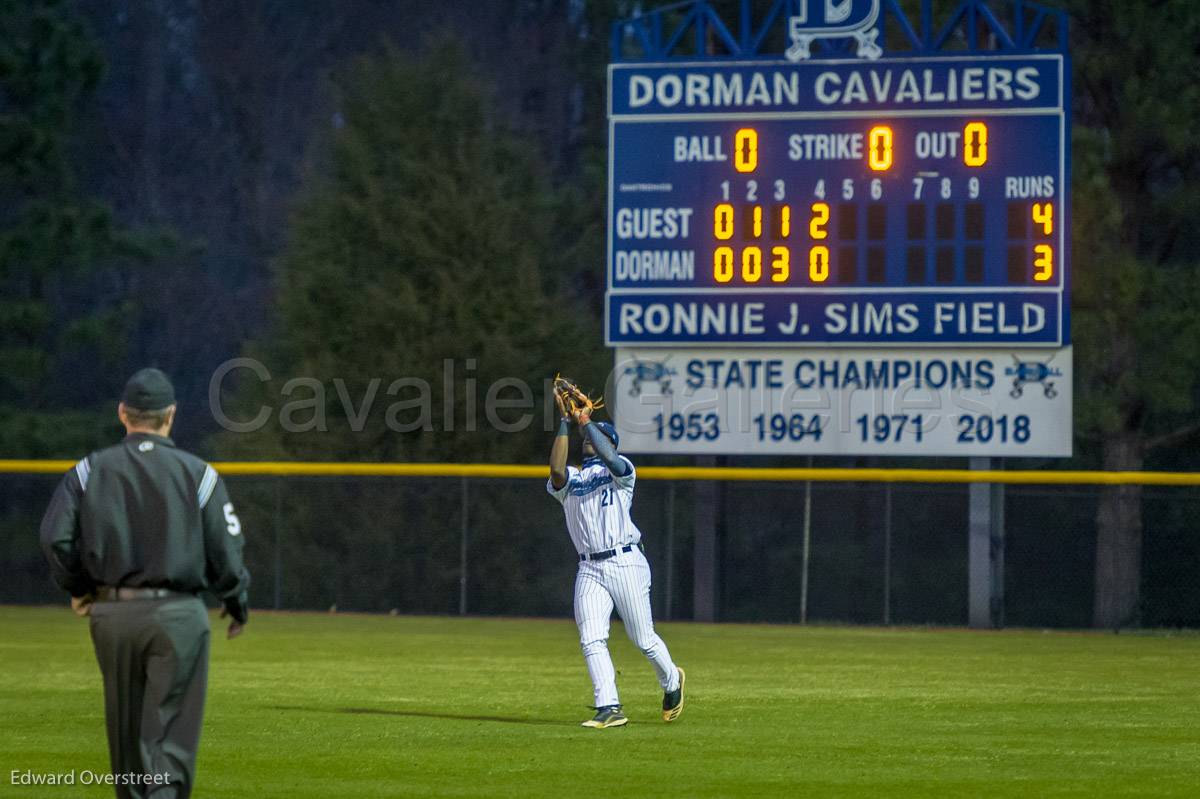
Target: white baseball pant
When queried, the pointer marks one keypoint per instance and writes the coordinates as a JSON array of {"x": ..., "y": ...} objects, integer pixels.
[{"x": 622, "y": 581}]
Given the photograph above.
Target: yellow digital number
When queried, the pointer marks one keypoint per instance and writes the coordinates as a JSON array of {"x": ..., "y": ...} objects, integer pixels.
[
  {"x": 745, "y": 150},
  {"x": 723, "y": 264},
  {"x": 1043, "y": 264},
  {"x": 818, "y": 263},
  {"x": 723, "y": 222},
  {"x": 975, "y": 144},
  {"x": 879, "y": 148},
  {"x": 816, "y": 225},
  {"x": 781, "y": 264},
  {"x": 756, "y": 221},
  {"x": 1043, "y": 214},
  {"x": 751, "y": 264},
  {"x": 785, "y": 221}
]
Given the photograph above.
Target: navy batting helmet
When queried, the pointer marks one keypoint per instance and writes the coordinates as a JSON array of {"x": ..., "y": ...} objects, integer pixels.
[{"x": 609, "y": 432}]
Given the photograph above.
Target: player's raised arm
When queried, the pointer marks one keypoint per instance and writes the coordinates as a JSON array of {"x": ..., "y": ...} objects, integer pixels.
[
  {"x": 560, "y": 448},
  {"x": 605, "y": 449}
]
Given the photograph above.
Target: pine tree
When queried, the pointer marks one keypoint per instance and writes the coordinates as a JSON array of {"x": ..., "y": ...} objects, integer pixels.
[
  {"x": 1136, "y": 255},
  {"x": 55, "y": 338},
  {"x": 429, "y": 233},
  {"x": 429, "y": 236}
]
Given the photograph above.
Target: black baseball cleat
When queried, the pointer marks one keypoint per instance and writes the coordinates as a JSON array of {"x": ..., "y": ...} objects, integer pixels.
[
  {"x": 673, "y": 700},
  {"x": 610, "y": 716}
]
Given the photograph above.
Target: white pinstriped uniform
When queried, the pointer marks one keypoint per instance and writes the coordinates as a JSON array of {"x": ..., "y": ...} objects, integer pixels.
[{"x": 596, "y": 503}]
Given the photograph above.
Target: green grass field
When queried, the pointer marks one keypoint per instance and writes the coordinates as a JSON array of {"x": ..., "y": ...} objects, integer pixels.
[{"x": 360, "y": 706}]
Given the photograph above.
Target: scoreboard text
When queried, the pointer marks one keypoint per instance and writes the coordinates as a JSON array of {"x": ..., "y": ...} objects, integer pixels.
[{"x": 895, "y": 202}]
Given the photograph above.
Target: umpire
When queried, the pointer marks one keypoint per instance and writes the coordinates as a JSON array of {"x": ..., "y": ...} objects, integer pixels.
[{"x": 134, "y": 532}]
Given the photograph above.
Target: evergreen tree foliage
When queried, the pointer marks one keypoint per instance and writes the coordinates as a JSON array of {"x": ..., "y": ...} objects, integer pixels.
[
  {"x": 1136, "y": 256},
  {"x": 429, "y": 239},
  {"x": 60, "y": 344}
]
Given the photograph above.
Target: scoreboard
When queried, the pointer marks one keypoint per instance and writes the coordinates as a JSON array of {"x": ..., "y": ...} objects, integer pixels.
[
  {"x": 892, "y": 204},
  {"x": 798, "y": 252}
]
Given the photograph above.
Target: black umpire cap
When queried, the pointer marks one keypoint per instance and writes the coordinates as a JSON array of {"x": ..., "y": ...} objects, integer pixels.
[{"x": 148, "y": 390}]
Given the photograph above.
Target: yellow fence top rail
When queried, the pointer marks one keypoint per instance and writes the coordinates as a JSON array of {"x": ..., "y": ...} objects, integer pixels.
[{"x": 741, "y": 473}]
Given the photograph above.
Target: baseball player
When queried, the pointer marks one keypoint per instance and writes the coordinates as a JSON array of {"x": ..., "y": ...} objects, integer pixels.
[{"x": 613, "y": 572}]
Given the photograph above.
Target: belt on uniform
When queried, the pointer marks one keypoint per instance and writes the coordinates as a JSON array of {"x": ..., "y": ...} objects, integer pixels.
[
  {"x": 108, "y": 593},
  {"x": 609, "y": 553}
]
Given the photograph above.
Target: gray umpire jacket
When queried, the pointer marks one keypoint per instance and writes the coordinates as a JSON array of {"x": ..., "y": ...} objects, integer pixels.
[{"x": 146, "y": 514}]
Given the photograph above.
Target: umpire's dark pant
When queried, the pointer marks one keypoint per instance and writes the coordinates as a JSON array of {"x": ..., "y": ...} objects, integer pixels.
[{"x": 153, "y": 654}]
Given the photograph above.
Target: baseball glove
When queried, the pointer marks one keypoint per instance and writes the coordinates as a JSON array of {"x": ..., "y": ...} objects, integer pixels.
[{"x": 574, "y": 401}]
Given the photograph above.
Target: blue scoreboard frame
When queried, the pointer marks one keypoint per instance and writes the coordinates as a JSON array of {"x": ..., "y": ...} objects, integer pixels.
[{"x": 894, "y": 202}]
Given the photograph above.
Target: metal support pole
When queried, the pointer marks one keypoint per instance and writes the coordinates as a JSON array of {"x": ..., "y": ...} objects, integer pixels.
[
  {"x": 979, "y": 534},
  {"x": 997, "y": 554},
  {"x": 277, "y": 524},
  {"x": 704, "y": 563},
  {"x": 670, "y": 549},
  {"x": 887, "y": 553},
  {"x": 985, "y": 552},
  {"x": 462, "y": 552},
  {"x": 807, "y": 548}
]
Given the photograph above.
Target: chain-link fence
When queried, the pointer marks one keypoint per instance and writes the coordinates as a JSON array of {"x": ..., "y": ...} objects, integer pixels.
[{"x": 879, "y": 552}]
